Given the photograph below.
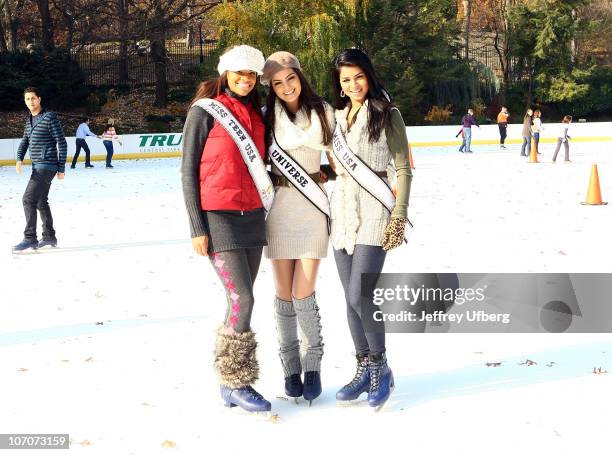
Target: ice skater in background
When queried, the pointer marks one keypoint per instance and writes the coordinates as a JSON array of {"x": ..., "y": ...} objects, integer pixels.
[
  {"x": 81, "y": 135},
  {"x": 502, "y": 123},
  {"x": 537, "y": 129},
  {"x": 226, "y": 214},
  {"x": 363, "y": 230},
  {"x": 526, "y": 133},
  {"x": 460, "y": 133},
  {"x": 44, "y": 137},
  {"x": 563, "y": 138},
  {"x": 108, "y": 137},
  {"x": 467, "y": 121},
  {"x": 296, "y": 229}
]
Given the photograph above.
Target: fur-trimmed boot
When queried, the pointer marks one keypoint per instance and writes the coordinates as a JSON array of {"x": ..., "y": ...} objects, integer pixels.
[
  {"x": 289, "y": 346},
  {"x": 237, "y": 367},
  {"x": 309, "y": 321}
]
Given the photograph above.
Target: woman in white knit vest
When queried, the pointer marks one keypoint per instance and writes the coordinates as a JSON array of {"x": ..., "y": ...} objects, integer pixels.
[
  {"x": 363, "y": 230},
  {"x": 296, "y": 230}
]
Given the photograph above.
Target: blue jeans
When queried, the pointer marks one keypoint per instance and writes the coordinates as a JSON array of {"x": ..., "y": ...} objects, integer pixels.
[
  {"x": 467, "y": 139},
  {"x": 109, "y": 151},
  {"x": 526, "y": 145}
]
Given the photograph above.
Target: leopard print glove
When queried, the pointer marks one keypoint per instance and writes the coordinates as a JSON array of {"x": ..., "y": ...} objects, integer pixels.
[{"x": 394, "y": 233}]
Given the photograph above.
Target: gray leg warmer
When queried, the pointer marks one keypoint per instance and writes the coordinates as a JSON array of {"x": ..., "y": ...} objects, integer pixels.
[
  {"x": 286, "y": 329},
  {"x": 309, "y": 322}
]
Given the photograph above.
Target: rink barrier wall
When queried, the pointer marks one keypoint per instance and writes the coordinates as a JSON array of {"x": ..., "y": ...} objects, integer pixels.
[{"x": 165, "y": 145}]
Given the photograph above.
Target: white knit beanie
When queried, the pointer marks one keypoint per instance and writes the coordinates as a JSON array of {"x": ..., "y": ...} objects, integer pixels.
[{"x": 241, "y": 58}]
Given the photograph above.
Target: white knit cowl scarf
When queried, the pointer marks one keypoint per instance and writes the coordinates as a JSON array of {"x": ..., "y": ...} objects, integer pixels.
[{"x": 303, "y": 132}]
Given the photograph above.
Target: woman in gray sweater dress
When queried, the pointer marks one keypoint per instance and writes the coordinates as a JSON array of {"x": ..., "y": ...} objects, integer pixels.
[{"x": 296, "y": 230}]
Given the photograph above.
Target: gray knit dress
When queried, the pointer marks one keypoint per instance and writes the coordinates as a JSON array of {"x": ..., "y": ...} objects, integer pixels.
[{"x": 295, "y": 228}]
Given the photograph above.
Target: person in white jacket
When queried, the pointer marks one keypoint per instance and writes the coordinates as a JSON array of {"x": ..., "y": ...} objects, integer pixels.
[{"x": 563, "y": 138}]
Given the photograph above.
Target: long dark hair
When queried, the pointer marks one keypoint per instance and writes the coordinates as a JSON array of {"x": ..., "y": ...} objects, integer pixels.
[
  {"x": 212, "y": 88},
  {"x": 379, "y": 105},
  {"x": 308, "y": 99}
]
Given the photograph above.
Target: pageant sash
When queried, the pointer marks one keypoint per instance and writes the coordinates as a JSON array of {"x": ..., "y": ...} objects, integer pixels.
[
  {"x": 247, "y": 148},
  {"x": 363, "y": 175},
  {"x": 298, "y": 177}
]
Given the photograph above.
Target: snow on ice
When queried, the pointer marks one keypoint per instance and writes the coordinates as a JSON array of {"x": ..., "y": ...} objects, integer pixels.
[{"x": 110, "y": 337}]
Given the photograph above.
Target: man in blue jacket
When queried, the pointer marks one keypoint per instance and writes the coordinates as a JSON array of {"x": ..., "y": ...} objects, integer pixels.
[
  {"x": 44, "y": 137},
  {"x": 81, "y": 135}
]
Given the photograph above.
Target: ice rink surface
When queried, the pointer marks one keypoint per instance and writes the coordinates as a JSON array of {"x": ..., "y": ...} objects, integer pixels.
[{"x": 110, "y": 337}]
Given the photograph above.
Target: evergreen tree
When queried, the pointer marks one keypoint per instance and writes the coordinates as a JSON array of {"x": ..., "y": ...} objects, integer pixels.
[
  {"x": 413, "y": 46},
  {"x": 543, "y": 33}
]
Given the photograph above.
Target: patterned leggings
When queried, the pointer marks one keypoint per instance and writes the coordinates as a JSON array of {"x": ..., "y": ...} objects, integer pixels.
[{"x": 237, "y": 270}]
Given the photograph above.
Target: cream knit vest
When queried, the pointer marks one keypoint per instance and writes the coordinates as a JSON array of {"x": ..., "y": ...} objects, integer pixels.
[{"x": 357, "y": 217}]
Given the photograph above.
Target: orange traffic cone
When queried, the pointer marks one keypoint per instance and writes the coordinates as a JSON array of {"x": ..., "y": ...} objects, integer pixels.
[
  {"x": 410, "y": 157},
  {"x": 533, "y": 156},
  {"x": 594, "y": 192}
]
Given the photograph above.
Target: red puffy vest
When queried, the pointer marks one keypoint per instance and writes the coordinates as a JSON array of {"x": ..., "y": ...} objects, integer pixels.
[{"x": 225, "y": 182}]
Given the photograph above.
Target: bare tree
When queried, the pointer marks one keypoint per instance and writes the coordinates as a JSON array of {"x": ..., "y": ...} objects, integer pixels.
[
  {"x": 501, "y": 43},
  {"x": 73, "y": 16},
  {"x": 467, "y": 12},
  {"x": 11, "y": 11},
  {"x": 158, "y": 52},
  {"x": 162, "y": 16},
  {"x": 123, "y": 13},
  {"x": 595, "y": 41},
  {"x": 489, "y": 24},
  {"x": 3, "y": 44},
  {"x": 76, "y": 23},
  {"x": 46, "y": 24},
  {"x": 151, "y": 21}
]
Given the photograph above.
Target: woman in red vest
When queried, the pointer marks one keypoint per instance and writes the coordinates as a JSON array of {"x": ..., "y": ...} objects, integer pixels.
[{"x": 226, "y": 214}]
